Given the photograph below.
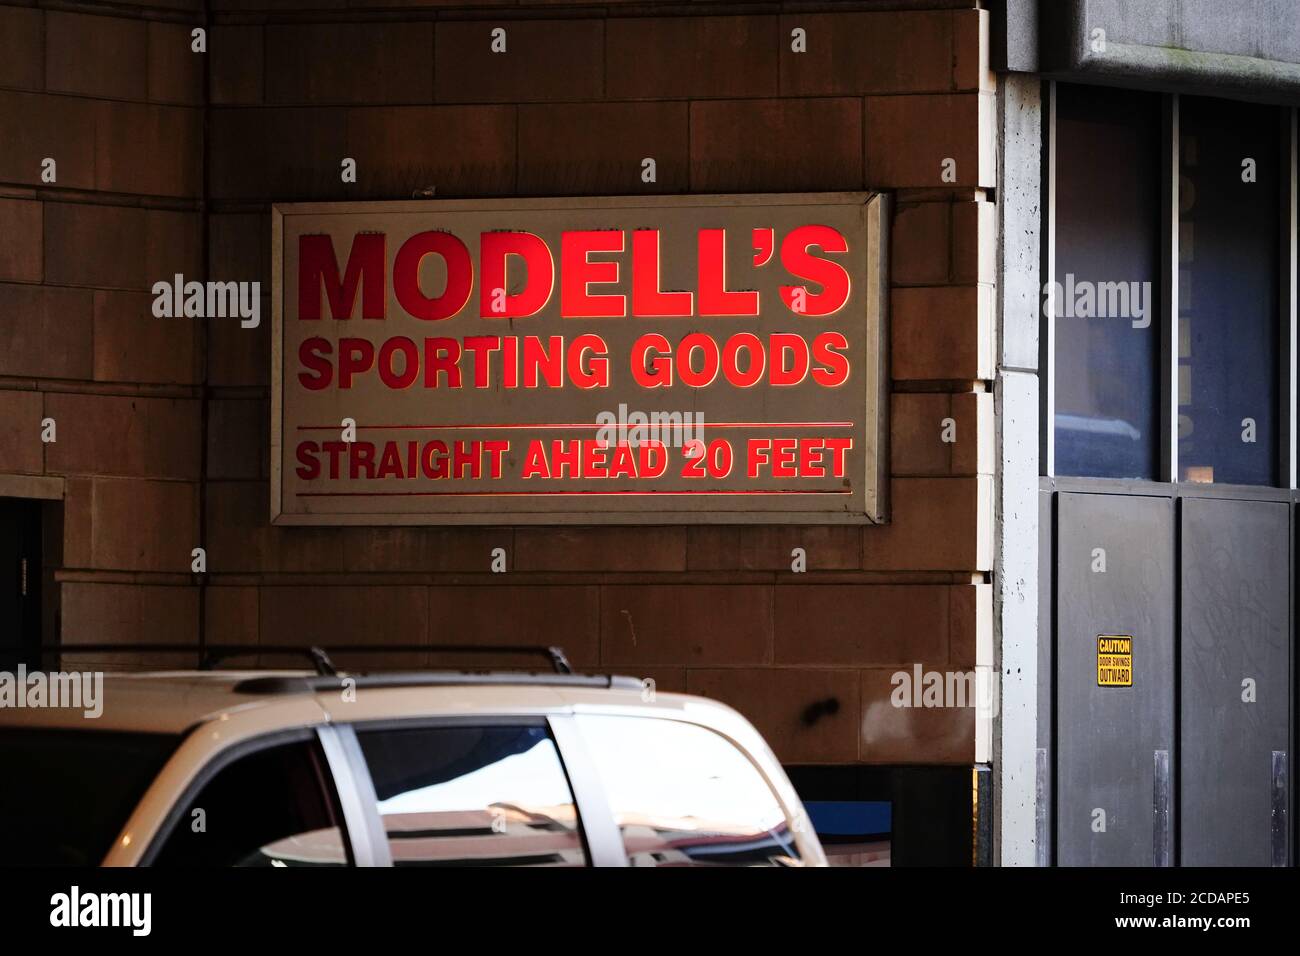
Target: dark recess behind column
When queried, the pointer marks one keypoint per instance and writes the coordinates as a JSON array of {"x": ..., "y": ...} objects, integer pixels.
[{"x": 932, "y": 807}]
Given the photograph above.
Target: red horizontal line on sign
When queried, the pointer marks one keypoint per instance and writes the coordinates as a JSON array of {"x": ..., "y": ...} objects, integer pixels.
[
  {"x": 539, "y": 494},
  {"x": 660, "y": 425}
]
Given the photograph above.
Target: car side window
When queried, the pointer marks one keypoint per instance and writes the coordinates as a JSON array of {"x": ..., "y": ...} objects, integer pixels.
[
  {"x": 683, "y": 795},
  {"x": 473, "y": 796},
  {"x": 272, "y": 807}
]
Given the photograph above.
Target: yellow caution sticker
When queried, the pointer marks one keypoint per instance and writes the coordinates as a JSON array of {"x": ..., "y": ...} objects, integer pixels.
[{"x": 1114, "y": 660}]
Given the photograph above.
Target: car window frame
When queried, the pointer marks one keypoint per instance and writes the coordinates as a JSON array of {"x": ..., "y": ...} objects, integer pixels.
[
  {"x": 595, "y": 823},
  {"x": 797, "y": 823},
  {"x": 368, "y": 842},
  {"x": 229, "y": 755}
]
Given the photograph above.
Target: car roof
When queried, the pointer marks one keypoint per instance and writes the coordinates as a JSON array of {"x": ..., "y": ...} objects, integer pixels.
[
  {"x": 177, "y": 701},
  {"x": 161, "y": 701}
]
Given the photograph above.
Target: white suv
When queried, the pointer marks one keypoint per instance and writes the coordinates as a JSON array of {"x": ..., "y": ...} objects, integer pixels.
[{"x": 225, "y": 768}]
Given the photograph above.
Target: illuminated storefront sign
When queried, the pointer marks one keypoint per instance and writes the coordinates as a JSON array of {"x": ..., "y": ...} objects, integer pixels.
[{"x": 692, "y": 359}]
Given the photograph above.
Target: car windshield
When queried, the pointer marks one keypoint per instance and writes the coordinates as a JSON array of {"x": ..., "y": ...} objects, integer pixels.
[{"x": 67, "y": 793}]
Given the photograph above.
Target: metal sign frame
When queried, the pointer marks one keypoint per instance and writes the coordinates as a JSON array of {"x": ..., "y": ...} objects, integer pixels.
[{"x": 873, "y": 433}]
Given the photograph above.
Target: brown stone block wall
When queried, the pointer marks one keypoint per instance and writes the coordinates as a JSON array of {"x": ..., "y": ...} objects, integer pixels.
[
  {"x": 883, "y": 96},
  {"x": 115, "y": 97}
]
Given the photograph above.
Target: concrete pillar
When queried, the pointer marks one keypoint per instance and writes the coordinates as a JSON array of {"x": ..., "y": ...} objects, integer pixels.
[{"x": 1015, "y": 568}]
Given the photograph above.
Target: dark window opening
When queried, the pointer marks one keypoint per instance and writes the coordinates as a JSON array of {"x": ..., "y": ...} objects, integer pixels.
[
  {"x": 1228, "y": 227},
  {"x": 21, "y": 574},
  {"x": 1105, "y": 302},
  {"x": 275, "y": 807}
]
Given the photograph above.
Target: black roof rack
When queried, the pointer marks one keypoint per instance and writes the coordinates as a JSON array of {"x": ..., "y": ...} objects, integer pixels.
[
  {"x": 319, "y": 657},
  {"x": 300, "y": 685},
  {"x": 327, "y": 676}
]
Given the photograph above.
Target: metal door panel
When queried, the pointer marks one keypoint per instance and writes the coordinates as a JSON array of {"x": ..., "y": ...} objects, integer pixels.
[
  {"x": 1113, "y": 808},
  {"x": 1234, "y": 646}
]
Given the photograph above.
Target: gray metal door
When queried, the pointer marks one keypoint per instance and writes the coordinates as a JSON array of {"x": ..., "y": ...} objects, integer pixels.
[
  {"x": 1234, "y": 660},
  {"x": 1115, "y": 576}
]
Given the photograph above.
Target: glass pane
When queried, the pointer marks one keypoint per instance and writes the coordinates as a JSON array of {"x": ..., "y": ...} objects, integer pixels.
[
  {"x": 1227, "y": 295},
  {"x": 275, "y": 807},
  {"x": 473, "y": 796},
  {"x": 685, "y": 796},
  {"x": 48, "y": 775},
  {"x": 1106, "y": 299}
]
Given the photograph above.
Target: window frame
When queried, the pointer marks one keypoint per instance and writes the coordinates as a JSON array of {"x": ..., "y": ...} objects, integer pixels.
[
  {"x": 595, "y": 821},
  {"x": 223, "y": 759},
  {"x": 1285, "y": 476},
  {"x": 797, "y": 822}
]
